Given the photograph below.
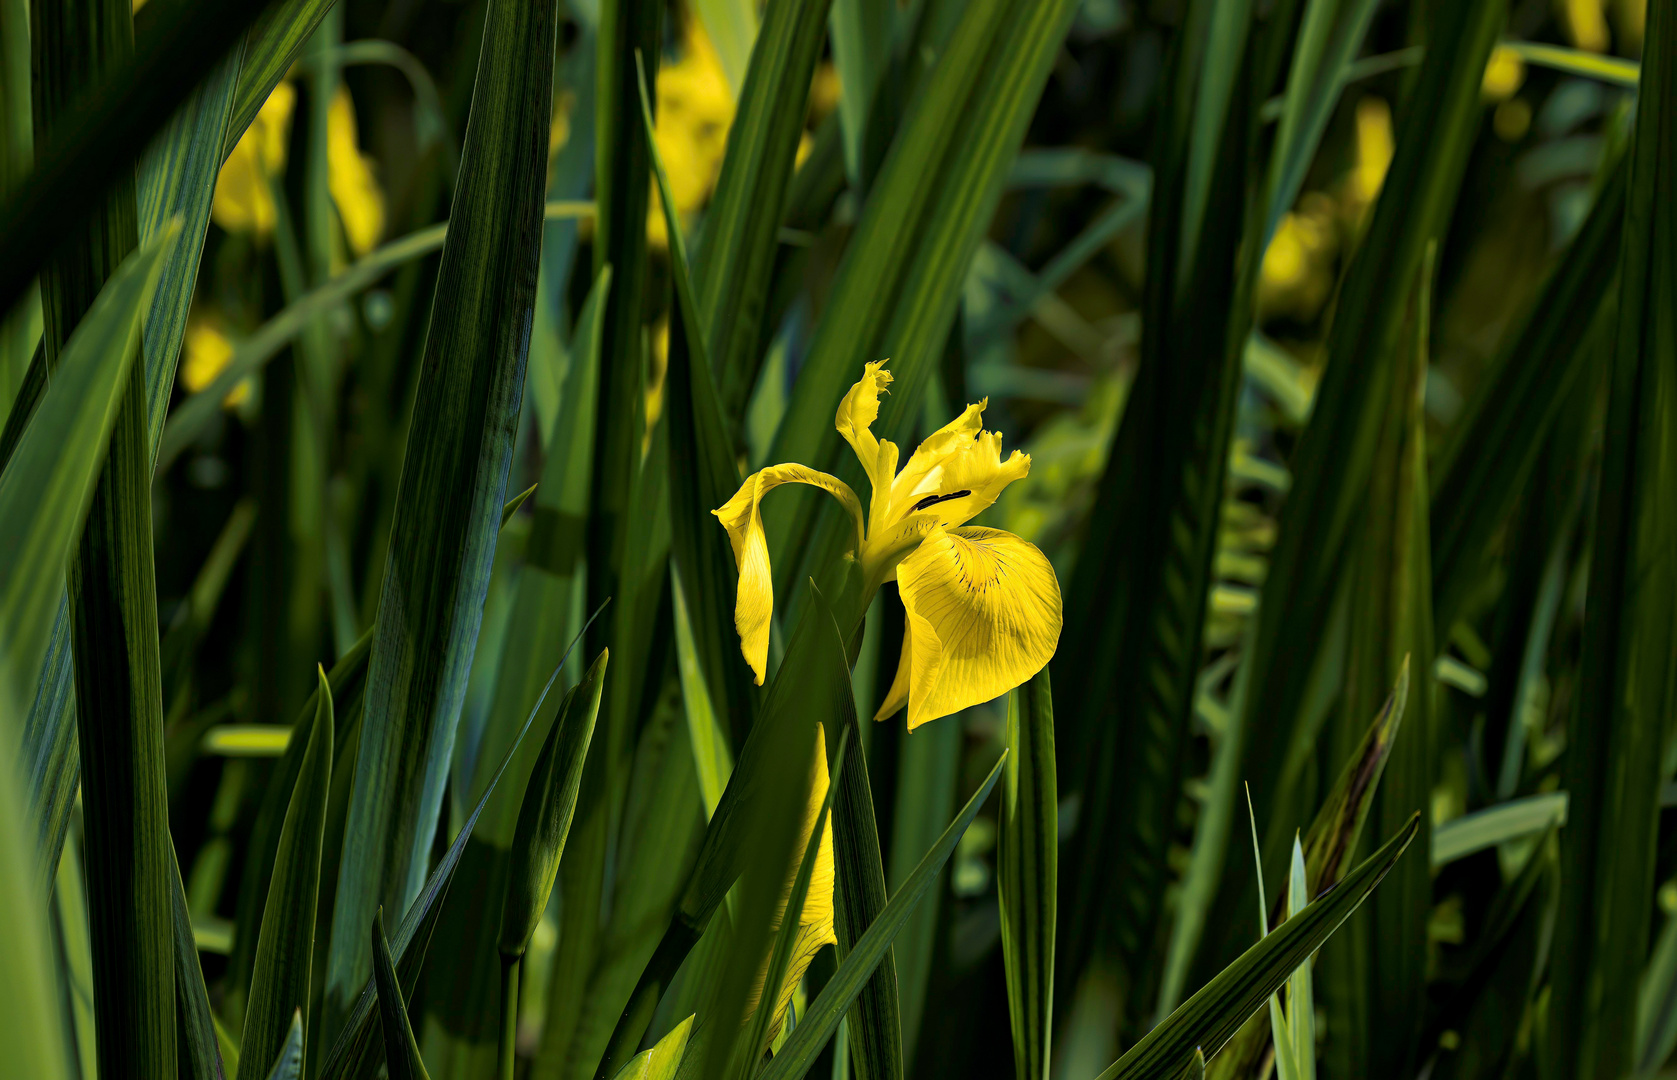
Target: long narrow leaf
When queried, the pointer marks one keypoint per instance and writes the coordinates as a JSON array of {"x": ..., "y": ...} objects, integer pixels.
[{"x": 1027, "y": 873}]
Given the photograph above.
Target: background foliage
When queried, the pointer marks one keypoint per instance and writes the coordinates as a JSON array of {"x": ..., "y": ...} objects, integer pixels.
[{"x": 1338, "y": 332}]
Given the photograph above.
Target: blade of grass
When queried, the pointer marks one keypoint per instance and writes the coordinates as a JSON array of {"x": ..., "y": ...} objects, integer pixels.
[
  {"x": 272, "y": 45},
  {"x": 285, "y": 943},
  {"x": 831, "y": 1005},
  {"x": 200, "y": 1052},
  {"x": 453, "y": 484},
  {"x": 1213, "y": 1014},
  {"x": 289, "y": 1064},
  {"x": 401, "y": 1051},
  {"x": 1495, "y": 825},
  {"x": 1027, "y": 845},
  {"x": 1611, "y": 768},
  {"x": 30, "y": 1025},
  {"x": 662, "y": 1061}
]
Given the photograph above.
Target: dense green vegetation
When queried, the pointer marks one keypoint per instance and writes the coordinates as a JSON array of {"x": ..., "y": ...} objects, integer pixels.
[{"x": 404, "y": 665}]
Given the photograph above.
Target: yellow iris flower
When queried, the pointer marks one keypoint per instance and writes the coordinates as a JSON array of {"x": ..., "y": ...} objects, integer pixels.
[{"x": 983, "y": 605}]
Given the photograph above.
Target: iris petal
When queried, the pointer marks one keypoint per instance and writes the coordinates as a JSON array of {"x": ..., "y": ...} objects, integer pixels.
[
  {"x": 742, "y": 516},
  {"x": 897, "y": 696},
  {"x": 854, "y": 420},
  {"x": 984, "y": 615}
]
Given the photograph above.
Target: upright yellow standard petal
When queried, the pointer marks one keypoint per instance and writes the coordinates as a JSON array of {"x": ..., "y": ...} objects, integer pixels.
[
  {"x": 742, "y": 516},
  {"x": 984, "y": 614},
  {"x": 349, "y": 176},
  {"x": 856, "y": 414}
]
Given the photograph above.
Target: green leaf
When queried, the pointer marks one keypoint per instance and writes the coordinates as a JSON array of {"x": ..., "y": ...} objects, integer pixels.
[
  {"x": 345, "y": 682},
  {"x": 285, "y": 944},
  {"x": 442, "y": 537},
  {"x": 289, "y": 1064},
  {"x": 1027, "y": 873},
  {"x": 1211, "y": 1016},
  {"x": 703, "y": 477},
  {"x": 897, "y": 289},
  {"x": 1495, "y": 825},
  {"x": 1334, "y": 459},
  {"x": 1616, "y": 731},
  {"x": 662, "y": 1061},
  {"x": 736, "y": 257},
  {"x": 830, "y": 1006},
  {"x": 1538, "y": 373},
  {"x": 31, "y": 1027},
  {"x": 272, "y": 45},
  {"x": 48, "y": 483},
  {"x": 749, "y": 1047},
  {"x": 152, "y": 73},
  {"x": 401, "y": 1052},
  {"x": 200, "y": 1050},
  {"x": 350, "y": 1054},
  {"x": 544, "y": 821}
]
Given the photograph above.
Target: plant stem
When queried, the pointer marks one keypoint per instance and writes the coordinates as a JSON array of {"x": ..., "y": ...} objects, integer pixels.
[{"x": 509, "y": 1016}]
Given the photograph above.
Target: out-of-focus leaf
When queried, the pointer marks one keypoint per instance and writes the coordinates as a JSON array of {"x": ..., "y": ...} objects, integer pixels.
[
  {"x": 1333, "y": 460},
  {"x": 1494, "y": 825},
  {"x": 1027, "y": 873},
  {"x": 1212, "y": 1015},
  {"x": 1535, "y": 375},
  {"x": 31, "y": 1028},
  {"x": 1615, "y": 735},
  {"x": 453, "y": 484},
  {"x": 824, "y": 1013},
  {"x": 285, "y": 944}
]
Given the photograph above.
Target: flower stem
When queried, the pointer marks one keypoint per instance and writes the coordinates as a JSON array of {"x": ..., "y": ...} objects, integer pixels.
[{"x": 509, "y": 1016}]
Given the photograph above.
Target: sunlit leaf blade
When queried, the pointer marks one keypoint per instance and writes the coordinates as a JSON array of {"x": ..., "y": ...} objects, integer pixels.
[
  {"x": 272, "y": 45},
  {"x": 1213, "y": 1014},
  {"x": 1332, "y": 461},
  {"x": 737, "y": 252},
  {"x": 823, "y": 1015},
  {"x": 1538, "y": 372},
  {"x": 1611, "y": 769},
  {"x": 285, "y": 944},
  {"x": 401, "y": 1052},
  {"x": 662, "y": 1061},
  {"x": 453, "y": 484},
  {"x": 1027, "y": 873}
]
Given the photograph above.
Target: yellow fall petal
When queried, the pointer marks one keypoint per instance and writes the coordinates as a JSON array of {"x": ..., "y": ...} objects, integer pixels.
[
  {"x": 897, "y": 696},
  {"x": 984, "y": 613},
  {"x": 742, "y": 517}
]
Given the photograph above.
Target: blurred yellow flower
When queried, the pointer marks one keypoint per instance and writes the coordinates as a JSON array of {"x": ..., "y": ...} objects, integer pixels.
[
  {"x": 1585, "y": 22},
  {"x": 1374, "y": 148},
  {"x": 815, "y": 921},
  {"x": 1504, "y": 72},
  {"x": 242, "y": 202},
  {"x": 1297, "y": 271},
  {"x": 205, "y": 353},
  {"x": 694, "y": 110},
  {"x": 349, "y": 176},
  {"x": 983, "y": 605}
]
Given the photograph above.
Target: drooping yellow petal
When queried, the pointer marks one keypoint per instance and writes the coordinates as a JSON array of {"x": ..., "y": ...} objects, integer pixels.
[
  {"x": 743, "y": 518},
  {"x": 815, "y": 921},
  {"x": 984, "y": 614},
  {"x": 897, "y": 696},
  {"x": 856, "y": 414}
]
